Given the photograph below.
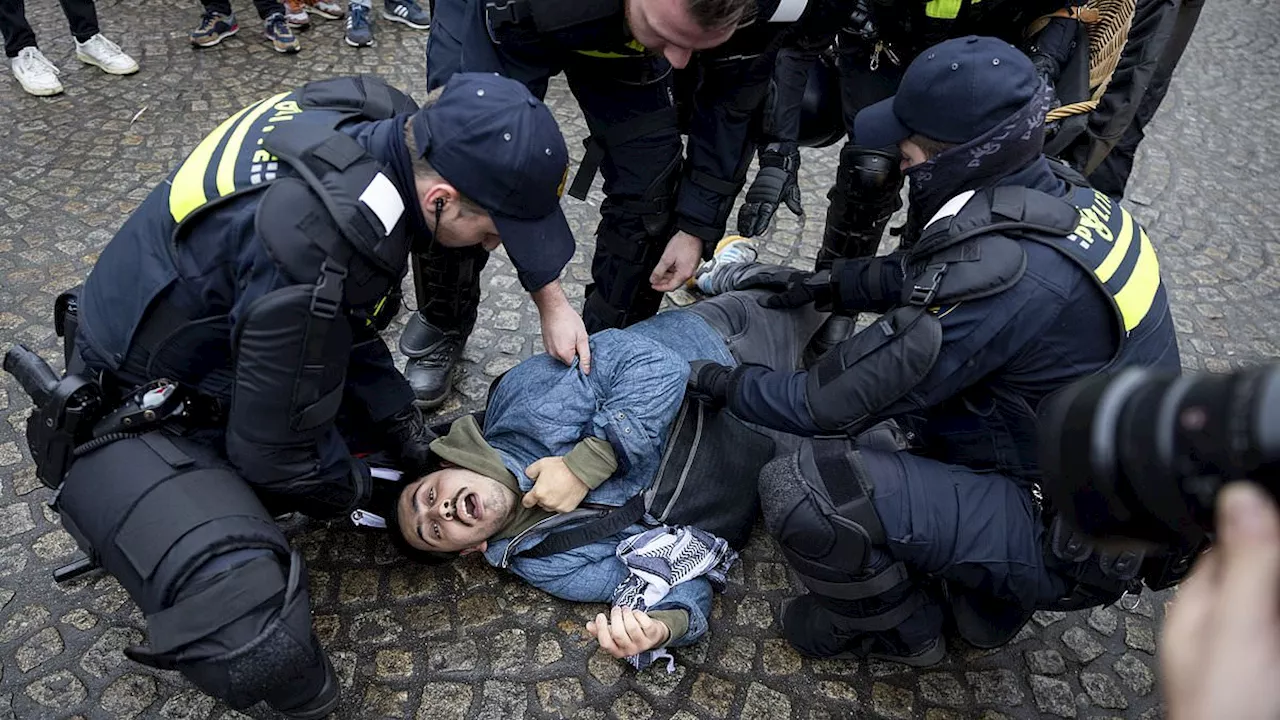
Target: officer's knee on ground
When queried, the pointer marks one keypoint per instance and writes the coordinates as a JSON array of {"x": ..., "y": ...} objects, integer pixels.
[{"x": 225, "y": 598}]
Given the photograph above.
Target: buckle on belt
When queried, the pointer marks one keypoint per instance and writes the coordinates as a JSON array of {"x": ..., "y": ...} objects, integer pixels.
[
  {"x": 327, "y": 296},
  {"x": 511, "y": 12},
  {"x": 924, "y": 294}
]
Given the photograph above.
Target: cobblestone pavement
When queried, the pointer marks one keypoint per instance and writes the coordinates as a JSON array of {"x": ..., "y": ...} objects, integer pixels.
[{"x": 463, "y": 641}]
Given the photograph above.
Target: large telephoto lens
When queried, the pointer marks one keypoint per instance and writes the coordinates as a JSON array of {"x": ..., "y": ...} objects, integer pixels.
[{"x": 1141, "y": 455}]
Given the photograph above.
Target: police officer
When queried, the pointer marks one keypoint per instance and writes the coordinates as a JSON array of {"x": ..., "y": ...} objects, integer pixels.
[
  {"x": 1020, "y": 283},
  {"x": 660, "y": 216},
  {"x": 255, "y": 280},
  {"x": 871, "y": 49}
]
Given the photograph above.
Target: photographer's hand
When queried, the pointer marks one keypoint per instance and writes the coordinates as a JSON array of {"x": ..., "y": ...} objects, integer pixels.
[{"x": 1221, "y": 640}]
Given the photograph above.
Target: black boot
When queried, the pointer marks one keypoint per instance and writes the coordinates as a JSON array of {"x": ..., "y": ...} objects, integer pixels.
[
  {"x": 816, "y": 631},
  {"x": 321, "y": 704},
  {"x": 433, "y": 354}
]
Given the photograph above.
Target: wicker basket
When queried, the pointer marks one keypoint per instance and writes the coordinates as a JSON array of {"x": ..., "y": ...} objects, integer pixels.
[{"x": 1107, "y": 24}]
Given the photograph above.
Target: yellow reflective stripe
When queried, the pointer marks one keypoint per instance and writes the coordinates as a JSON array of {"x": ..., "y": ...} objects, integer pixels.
[
  {"x": 1139, "y": 291},
  {"x": 945, "y": 9},
  {"x": 227, "y": 164},
  {"x": 187, "y": 189},
  {"x": 1112, "y": 261},
  {"x": 633, "y": 45}
]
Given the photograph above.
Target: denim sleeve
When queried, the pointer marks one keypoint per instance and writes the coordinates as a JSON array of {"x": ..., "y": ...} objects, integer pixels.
[
  {"x": 592, "y": 573},
  {"x": 639, "y": 385}
]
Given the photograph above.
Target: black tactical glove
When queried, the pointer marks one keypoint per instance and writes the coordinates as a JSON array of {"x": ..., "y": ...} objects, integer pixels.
[
  {"x": 408, "y": 441},
  {"x": 775, "y": 184},
  {"x": 708, "y": 382},
  {"x": 793, "y": 288}
]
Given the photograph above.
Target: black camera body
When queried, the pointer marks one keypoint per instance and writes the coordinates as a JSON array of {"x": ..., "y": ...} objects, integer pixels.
[{"x": 1139, "y": 456}]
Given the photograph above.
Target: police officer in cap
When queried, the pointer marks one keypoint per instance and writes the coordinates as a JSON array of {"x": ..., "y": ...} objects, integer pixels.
[
  {"x": 872, "y": 47},
  {"x": 1021, "y": 282},
  {"x": 254, "y": 280},
  {"x": 662, "y": 212}
]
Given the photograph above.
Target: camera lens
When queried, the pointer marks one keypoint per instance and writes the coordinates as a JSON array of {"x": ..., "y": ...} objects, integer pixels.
[{"x": 1141, "y": 455}]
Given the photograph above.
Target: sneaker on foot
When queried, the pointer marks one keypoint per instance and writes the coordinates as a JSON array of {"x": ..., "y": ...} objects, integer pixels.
[
  {"x": 327, "y": 9},
  {"x": 295, "y": 14},
  {"x": 734, "y": 249},
  {"x": 35, "y": 73},
  {"x": 407, "y": 12},
  {"x": 359, "y": 29},
  {"x": 214, "y": 27},
  {"x": 107, "y": 55},
  {"x": 282, "y": 38}
]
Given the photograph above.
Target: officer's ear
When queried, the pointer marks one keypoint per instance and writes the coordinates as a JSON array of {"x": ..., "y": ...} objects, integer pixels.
[{"x": 436, "y": 197}]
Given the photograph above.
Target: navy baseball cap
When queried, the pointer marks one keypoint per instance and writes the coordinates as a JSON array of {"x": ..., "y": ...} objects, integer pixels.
[
  {"x": 489, "y": 137},
  {"x": 952, "y": 92}
]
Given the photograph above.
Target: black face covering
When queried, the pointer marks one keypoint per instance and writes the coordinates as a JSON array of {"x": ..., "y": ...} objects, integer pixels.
[{"x": 1001, "y": 151}]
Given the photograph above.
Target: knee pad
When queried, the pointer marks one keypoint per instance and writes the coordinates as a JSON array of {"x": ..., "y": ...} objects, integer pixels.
[
  {"x": 867, "y": 174},
  {"x": 225, "y": 598}
]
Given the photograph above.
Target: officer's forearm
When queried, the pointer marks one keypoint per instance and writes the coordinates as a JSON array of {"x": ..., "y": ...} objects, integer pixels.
[
  {"x": 549, "y": 297},
  {"x": 772, "y": 398},
  {"x": 869, "y": 284}
]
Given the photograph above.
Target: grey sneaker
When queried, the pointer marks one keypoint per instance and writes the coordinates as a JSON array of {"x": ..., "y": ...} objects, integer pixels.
[{"x": 732, "y": 250}]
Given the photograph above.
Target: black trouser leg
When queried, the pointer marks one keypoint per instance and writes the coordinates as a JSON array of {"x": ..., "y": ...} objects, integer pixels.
[
  {"x": 267, "y": 8},
  {"x": 82, "y": 16},
  {"x": 640, "y": 173},
  {"x": 15, "y": 28},
  {"x": 219, "y": 6}
]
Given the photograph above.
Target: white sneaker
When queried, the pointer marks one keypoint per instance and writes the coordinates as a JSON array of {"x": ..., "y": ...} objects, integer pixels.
[
  {"x": 732, "y": 250},
  {"x": 37, "y": 75},
  {"x": 107, "y": 55}
]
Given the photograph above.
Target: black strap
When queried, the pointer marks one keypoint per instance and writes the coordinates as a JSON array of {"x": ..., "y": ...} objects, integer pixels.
[
  {"x": 879, "y": 584},
  {"x": 887, "y": 620},
  {"x": 843, "y": 476},
  {"x": 714, "y": 184},
  {"x": 624, "y": 132},
  {"x": 616, "y": 521},
  {"x": 210, "y": 610},
  {"x": 167, "y": 451}
]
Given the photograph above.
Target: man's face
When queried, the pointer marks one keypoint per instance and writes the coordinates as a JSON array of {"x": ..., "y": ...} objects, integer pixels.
[
  {"x": 667, "y": 28},
  {"x": 454, "y": 509},
  {"x": 912, "y": 155},
  {"x": 456, "y": 226}
]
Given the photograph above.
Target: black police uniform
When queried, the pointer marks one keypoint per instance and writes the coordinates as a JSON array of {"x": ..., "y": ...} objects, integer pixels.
[
  {"x": 252, "y": 277},
  {"x": 871, "y": 48},
  {"x": 628, "y": 97},
  {"x": 1011, "y": 293}
]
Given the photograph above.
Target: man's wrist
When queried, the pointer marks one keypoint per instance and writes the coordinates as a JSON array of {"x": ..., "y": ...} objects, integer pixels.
[{"x": 549, "y": 297}]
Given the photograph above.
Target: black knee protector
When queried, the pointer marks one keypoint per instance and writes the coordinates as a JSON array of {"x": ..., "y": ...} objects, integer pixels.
[
  {"x": 866, "y": 194},
  {"x": 225, "y": 599},
  {"x": 817, "y": 505}
]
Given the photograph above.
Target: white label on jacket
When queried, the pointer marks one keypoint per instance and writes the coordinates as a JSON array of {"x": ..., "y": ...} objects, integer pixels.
[{"x": 384, "y": 200}]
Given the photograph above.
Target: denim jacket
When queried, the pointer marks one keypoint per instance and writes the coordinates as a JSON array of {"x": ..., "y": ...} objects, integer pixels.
[{"x": 544, "y": 408}]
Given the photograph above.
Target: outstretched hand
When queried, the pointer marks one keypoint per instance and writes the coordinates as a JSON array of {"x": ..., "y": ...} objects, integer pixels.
[
  {"x": 626, "y": 632},
  {"x": 1221, "y": 640}
]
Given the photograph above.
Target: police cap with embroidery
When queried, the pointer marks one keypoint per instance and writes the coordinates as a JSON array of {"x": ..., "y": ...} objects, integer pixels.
[
  {"x": 952, "y": 92},
  {"x": 495, "y": 142}
]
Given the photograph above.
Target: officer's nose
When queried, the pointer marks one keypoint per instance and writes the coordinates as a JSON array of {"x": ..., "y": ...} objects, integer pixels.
[{"x": 677, "y": 56}]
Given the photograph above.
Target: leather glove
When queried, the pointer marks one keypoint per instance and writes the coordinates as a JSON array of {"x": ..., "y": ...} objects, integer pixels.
[
  {"x": 793, "y": 288},
  {"x": 708, "y": 382},
  {"x": 409, "y": 440},
  {"x": 775, "y": 184}
]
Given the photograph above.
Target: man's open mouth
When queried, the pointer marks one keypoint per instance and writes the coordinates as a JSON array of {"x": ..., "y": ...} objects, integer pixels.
[{"x": 470, "y": 509}]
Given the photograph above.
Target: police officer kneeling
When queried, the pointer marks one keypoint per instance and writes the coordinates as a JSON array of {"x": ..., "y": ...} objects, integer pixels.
[
  {"x": 1021, "y": 283},
  {"x": 256, "y": 279}
]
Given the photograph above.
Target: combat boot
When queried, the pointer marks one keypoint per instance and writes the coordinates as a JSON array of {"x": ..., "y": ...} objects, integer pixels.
[{"x": 433, "y": 354}]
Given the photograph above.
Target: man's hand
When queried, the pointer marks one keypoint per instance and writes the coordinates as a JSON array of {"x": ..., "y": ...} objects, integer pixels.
[
  {"x": 1220, "y": 653},
  {"x": 555, "y": 487},
  {"x": 775, "y": 184},
  {"x": 678, "y": 262},
  {"x": 563, "y": 333},
  {"x": 708, "y": 382},
  {"x": 792, "y": 288},
  {"x": 627, "y": 632}
]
